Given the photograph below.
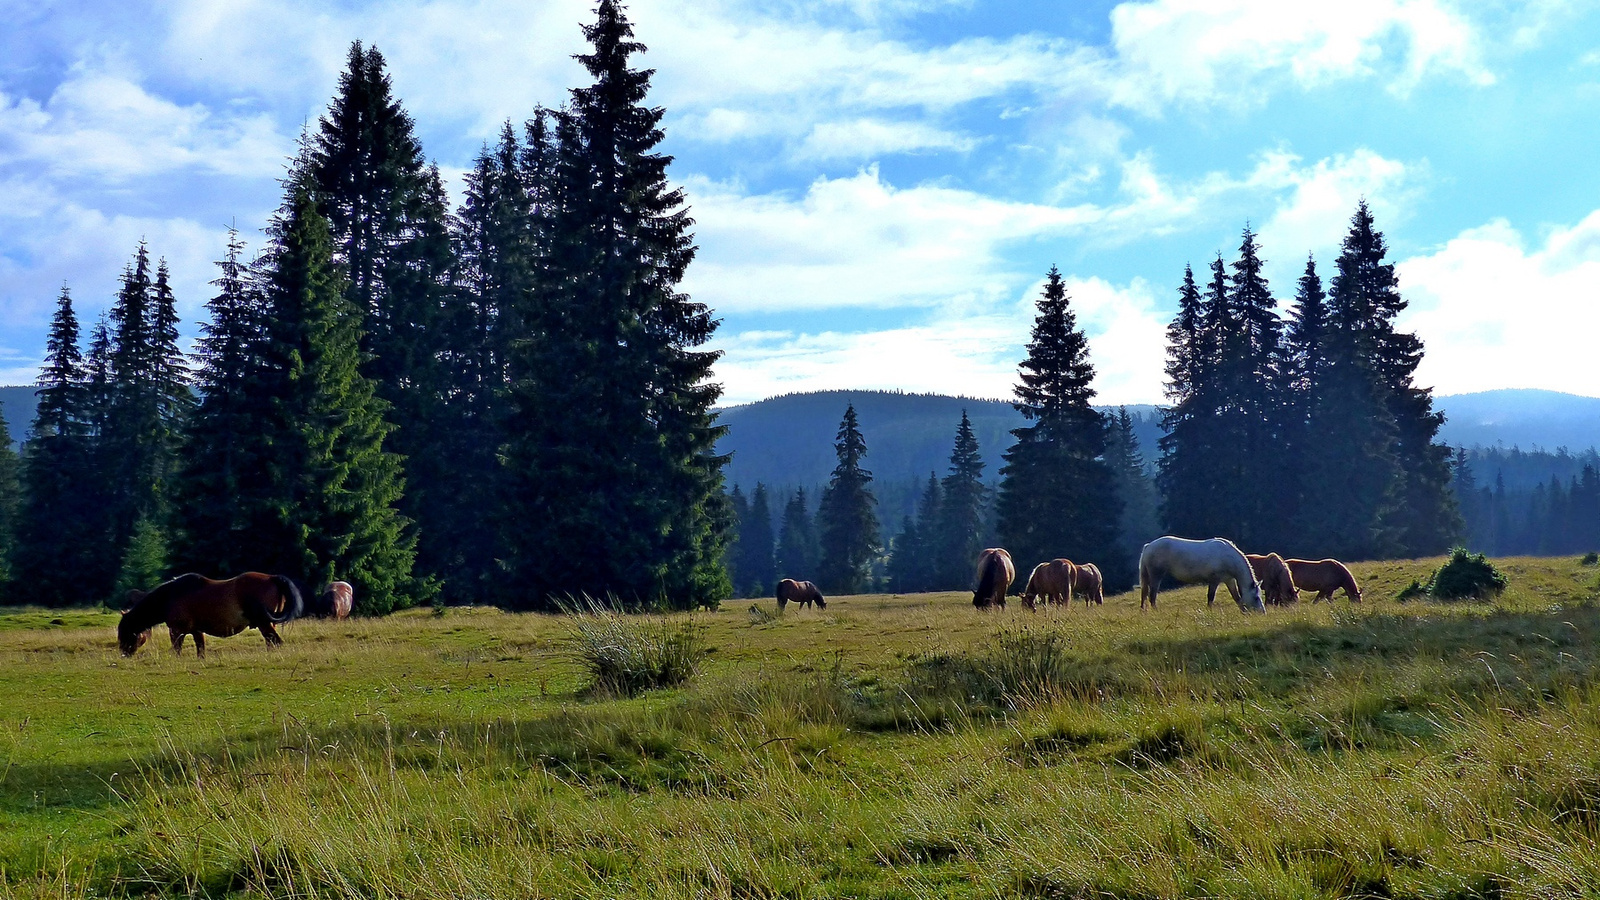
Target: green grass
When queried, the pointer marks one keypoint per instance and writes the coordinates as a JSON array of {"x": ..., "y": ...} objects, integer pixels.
[{"x": 885, "y": 747}]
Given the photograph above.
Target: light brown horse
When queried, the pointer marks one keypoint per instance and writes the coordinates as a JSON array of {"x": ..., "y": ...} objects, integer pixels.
[
  {"x": 803, "y": 593},
  {"x": 194, "y": 604},
  {"x": 336, "y": 600},
  {"x": 1053, "y": 581},
  {"x": 1277, "y": 585},
  {"x": 1324, "y": 576},
  {"x": 995, "y": 573},
  {"x": 1091, "y": 587}
]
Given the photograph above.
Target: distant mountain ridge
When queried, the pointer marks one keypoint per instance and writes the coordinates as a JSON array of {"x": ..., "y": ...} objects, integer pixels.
[{"x": 788, "y": 440}]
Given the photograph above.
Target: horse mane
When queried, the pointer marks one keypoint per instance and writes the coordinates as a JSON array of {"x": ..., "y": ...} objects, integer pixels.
[{"x": 157, "y": 599}]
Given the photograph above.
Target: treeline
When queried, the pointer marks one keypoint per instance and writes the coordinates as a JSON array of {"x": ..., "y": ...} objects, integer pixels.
[
  {"x": 1305, "y": 435},
  {"x": 1514, "y": 513},
  {"x": 504, "y": 403}
]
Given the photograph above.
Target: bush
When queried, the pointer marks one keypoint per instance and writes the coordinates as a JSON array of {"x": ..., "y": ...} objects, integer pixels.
[
  {"x": 1413, "y": 591},
  {"x": 1589, "y": 559},
  {"x": 1466, "y": 576},
  {"x": 626, "y": 655}
]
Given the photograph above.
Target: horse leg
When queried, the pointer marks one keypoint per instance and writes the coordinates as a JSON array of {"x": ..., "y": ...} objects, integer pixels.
[
  {"x": 177, "y": 642},
  {"x": 199, "y": 645},
  {"x": 1211, "y": 594},
  {"x": 268, "y": 632}
]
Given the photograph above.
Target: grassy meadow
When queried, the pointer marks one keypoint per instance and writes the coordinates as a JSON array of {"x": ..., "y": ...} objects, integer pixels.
[{"x": 888, "y": 746}]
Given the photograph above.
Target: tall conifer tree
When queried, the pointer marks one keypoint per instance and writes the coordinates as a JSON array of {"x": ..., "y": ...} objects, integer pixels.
[
  {"x": 223, "y": 493},
  {"x": 1057, "y": 497},
  {"x": 335, "y": 486},
  {"x": 757, "y": 545},
  {"x": 797, "y": 541},
  {"x": 389, "y": 220},
  {"x": 846, "y": 521},
  {"x": 58, "y": 538},
  {"x": 1139, "y": 522},
  {"x": 958, "y": 538},
  {"x": 615, "y": 485},
  {"x": 1190, "y": 430}
]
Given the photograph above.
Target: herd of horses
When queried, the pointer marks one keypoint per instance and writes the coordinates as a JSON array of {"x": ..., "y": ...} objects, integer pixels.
[{"x": 195, "y": 605}]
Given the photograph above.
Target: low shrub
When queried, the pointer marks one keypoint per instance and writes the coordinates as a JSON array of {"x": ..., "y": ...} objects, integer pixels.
[
  {"x": 1413, "y": 591},
  {"x": 1466, "y": 576},
  {"x": 1589, "y": 559},
  {"x": 627, "y": 655}
]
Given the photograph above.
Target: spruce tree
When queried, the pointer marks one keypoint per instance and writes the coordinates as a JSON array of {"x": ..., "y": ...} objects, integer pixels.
[
  {"x": 10, "y": 508},
  {"x": 1057, "y": 497},
  {"x": 389, "y": 220},
  {"x": 223, "y": 492},
  {"x": 614, "y": 483},
  {"x": 846, "y": 521},
  {"x": 334, "y": 486},
  {"x": 1139, "y": 521},
  {"x": 905, "y": 556},
  {"x": 1306, "y": 364},
  {"x": 58, "y": 539},
  {"x": 797, "y": 541},
  {"x": 1189, "y": 429},
  {"x": 925, "y": 566},
  {"x": 739, "y": 510},
  {"x": 758, "y": 566},
  {"x": 958, "y": 538}
]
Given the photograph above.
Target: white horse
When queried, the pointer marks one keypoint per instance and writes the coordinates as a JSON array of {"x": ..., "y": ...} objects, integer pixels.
[{"x": 1212, "y": 562}]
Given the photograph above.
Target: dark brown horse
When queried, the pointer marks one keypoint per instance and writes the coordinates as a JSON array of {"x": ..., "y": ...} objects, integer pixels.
[
  {"x": 1091, "y": 587},
  {"x": 1324, "y": 576},
  {"x": 1053, "y": 581},
  {"x": 994, "y": 578},
  {"x": 194, "y": 604},
  {"x": 803, "y": 593},
  {"x": 1277, "y": 585},
  {"x": 336, "y": 601}
]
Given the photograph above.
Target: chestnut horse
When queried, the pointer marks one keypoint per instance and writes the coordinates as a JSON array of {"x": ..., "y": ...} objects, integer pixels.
[
  {"x": 1277, "y": 586},
  {"x": 194, "y": 604},
  {"x": 1053, "y": 581},
  {"x": 994, "y": 578},
  {"x": 1090, "y": 585},
  {"x": 1324, "y": 576},
  {"x": 803, "y": 593},
  {"x": 336, "y": 601},
  {"x": 1211, "y": 562}
]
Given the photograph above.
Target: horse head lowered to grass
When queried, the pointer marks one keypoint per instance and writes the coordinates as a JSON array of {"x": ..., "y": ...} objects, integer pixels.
[
  {"x": 197, "y": 605},
  {"x": 1211, "y": 562}
]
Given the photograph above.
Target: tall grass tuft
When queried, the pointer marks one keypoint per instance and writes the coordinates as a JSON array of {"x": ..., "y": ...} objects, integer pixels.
[{"x": 627, "y": 655}]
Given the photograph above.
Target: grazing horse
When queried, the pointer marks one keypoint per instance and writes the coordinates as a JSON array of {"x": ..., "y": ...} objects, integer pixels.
[
  {"x": 803, "y": 593},
  {"x": 194, "y": 604},
  {"x": 336, "y": 601},
  {"x": 1213, "y": 562},
  {"x": 1324, "y": 576},
  {"x": 1090, "y": 585},
  {"x": 994, "y": 578},
  {"x": 1277, "y": 586},
  {"x": 1053, "y": 580}
]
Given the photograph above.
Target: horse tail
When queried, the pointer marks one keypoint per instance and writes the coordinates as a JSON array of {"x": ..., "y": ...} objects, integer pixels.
[{"x": 291, "y": 592}]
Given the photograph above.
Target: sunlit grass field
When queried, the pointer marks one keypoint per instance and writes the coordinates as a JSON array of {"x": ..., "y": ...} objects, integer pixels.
[{"x": 885, "y": 747}]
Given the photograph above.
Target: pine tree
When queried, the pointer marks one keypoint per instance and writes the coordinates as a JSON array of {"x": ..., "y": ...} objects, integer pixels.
[
  {"x": 930, "y": 509},
  {"x": 629, "y": 491},
  {"x": 1189, "y": 428},
  {"x": 334, "y": 485},
  {"x": 958, "y": 537},
  {"x": 1253, "y": 378},
  {"x": 222, "y": 491},
  {"x": 1057, "y": 497},
  {"x": 144, "y": 563},
  {"x": 846, "y": 521},
  {"x": 757, "y": 566},
  {"x": 739, "y": 509},
  {"x": 57, "y": 541},
  {"x": 905, "y": 557},
  {"x": 389, "y": 220},
  {"x": 1138, "y": 523},
  {"x": 10, "y": 508},
  {"x": 797, "y": 541}
]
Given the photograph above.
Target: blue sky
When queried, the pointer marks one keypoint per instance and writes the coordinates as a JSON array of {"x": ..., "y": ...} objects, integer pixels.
[{"x": 880, "y": 185}]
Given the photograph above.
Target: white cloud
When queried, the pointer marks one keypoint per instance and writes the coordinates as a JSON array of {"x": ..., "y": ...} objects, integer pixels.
[
  {"x": 97, "y": 124},
  {"x": 867, "y": 139},
  {"x": 968, "y": 350},
  {"x": 1495, "y": 313},
  {"x": 1315, "y": 202},
  {"x": 1226, "y": 50}
]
